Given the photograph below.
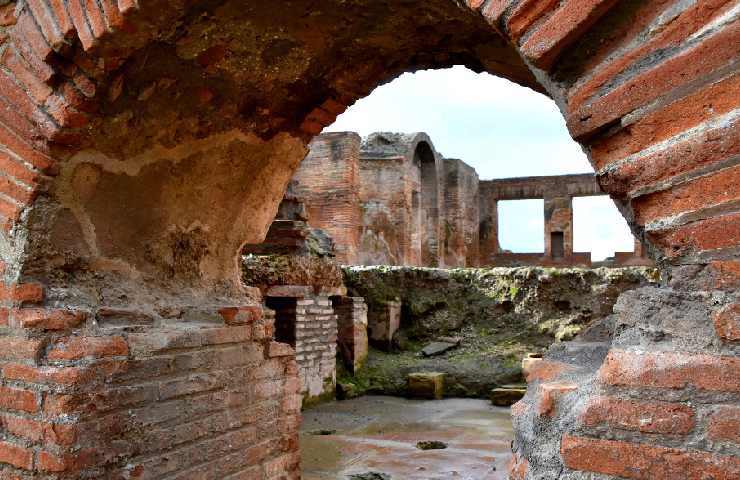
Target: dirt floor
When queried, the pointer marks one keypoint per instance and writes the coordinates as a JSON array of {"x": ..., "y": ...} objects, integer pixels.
[{"x": 380, "y": 434}]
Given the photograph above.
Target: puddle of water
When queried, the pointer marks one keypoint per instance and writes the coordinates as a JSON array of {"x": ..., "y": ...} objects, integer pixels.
[{"x": 379, "y": 434}]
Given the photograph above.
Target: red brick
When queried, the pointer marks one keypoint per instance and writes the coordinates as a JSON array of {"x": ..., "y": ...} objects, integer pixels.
[
  {"x": 77, "y": 14},
  {"x": 76, "y": 348},
  {"x": 95, "y": 17},
  {"x": 62, "y": 17},
  {"x": 39, "y": 90},
  {"x": 671, "y": 370},
  {"x": 16, "y": 399},
  {"x": 645, "y": 87},
  {"x": 113, "y": 15},
  {"x": 526, "y": 13},
  {"x": 19, "y": 193},
  {"x": 727, "y": 322},
  {"x": 562, "y": 28},
  {"x": 495, "y": 9},
  {"x": 549, "y": 395},
  {"x": 645, "y": 462},
  {"x": 672, "y": 35},
  {"x": 48, "y": 319},
  {"x": 45, "y": 375},
  {"x": 546, "y": 370},
  {"x": 724, "y": 425},
  {"x": 24, "y": 292},
  {"x": 710, "y": 190},
  {"x": 49, "y": 462},
  {"x": 27, "y": 32},
  {"x": 277, "y": 349},
  {"x": 712, "y": 233},
  {"x": 21, "y": 101},
  {"x": 15, "y": 455},
  {"x": 241, "y": 315},
  {"x": 22, "y": 427},
  {"x": 649, "y": 417},
  {"x": 709, "y": 102},
  {"x": 699, "y": 150},
  {"x": 24, "y": 150},
  {"x": 46, "y": 21},
  {"x": 13, "y": 348},
  {"x": 36, "y": 431}
]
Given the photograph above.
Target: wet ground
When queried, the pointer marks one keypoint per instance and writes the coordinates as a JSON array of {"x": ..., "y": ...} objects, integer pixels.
[{"x": 376, "y": 433}]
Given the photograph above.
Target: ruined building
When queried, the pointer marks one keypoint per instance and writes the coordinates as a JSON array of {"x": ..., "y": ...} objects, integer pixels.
[
  {"x": 143, "y": 143},
  {"x": 392, "y": 199}
]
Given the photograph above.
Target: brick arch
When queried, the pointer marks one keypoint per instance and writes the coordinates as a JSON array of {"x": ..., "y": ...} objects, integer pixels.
[{"x": 120, "y": 120}]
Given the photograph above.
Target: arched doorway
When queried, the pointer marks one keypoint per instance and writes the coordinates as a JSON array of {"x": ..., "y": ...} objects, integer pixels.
[{"x": 144, "y": 143}]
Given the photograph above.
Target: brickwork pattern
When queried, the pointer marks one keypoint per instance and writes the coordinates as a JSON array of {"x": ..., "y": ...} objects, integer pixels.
[
  {"x": 648, "y": 87},
  {"x": 316, "y": 347}
]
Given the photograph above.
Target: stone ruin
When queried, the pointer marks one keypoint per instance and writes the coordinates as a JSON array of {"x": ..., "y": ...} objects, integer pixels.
[
  {"x": 143, "y": 143},
  {"x": 392, "y": 199}
]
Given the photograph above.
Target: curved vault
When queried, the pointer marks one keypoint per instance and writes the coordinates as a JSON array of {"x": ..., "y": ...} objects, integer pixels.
[{"x": 142, "y": 142}]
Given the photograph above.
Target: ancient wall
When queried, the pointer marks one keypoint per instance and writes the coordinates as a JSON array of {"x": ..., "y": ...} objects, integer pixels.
[
  {"x": 460, "y": 228},
  {"x": 307, "y": 322},
  {"x": 558, "y": 193},
  {"x": 143, "y": 143},
  {"x": 419, "y": 209},
  {"x": 352, "y": 331},
  {"x": 328, "y": 182},
  {"x": 490, "y": 319}
]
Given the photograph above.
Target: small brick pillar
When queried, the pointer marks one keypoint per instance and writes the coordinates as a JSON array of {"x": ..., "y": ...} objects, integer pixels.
[
  {"x": 383, "y": 324},
  {"x": 352, "y": 322},
  {"x": 314, "y": 330}
]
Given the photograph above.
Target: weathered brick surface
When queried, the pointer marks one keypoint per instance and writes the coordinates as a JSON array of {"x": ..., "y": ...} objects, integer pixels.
[
  {"x": 671, "y": 370},
  {"x": 638, "y": 461},
  {"x": 724, "y": 425},
  {"x": 649, "y": 417},
  {"x": 649, "y": 87}
]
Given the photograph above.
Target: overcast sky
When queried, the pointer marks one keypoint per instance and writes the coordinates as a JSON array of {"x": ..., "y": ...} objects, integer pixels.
[{"x": 501, "y": 129}]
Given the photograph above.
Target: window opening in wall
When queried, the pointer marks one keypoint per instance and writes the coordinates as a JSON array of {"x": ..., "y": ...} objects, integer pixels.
[
  {"x": 599, "y": 228},
  {"x": 521, "y": 225},
  {"x": 557, "y": 240},
  {"x": 285, "y": 318}
]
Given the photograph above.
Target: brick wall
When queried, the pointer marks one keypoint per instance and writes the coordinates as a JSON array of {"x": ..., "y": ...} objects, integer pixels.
[
  {"x": 352, "y": 331},
  {"x": 308, "y": 322},
  {"x": 177, "y": 400},
  {"x": 460, "y": 226},
  {"x": 137, "y": 158},
  {"x": 328, "y": 184}
]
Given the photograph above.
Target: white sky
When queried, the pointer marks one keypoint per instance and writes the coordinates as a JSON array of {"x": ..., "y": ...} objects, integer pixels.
[{"x": 502, "y": 130}]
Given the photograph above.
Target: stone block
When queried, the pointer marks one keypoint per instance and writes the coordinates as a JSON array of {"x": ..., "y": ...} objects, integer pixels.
[
  {"x": 430, "y": 385},
  {"x": 507, "y": 395}
]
